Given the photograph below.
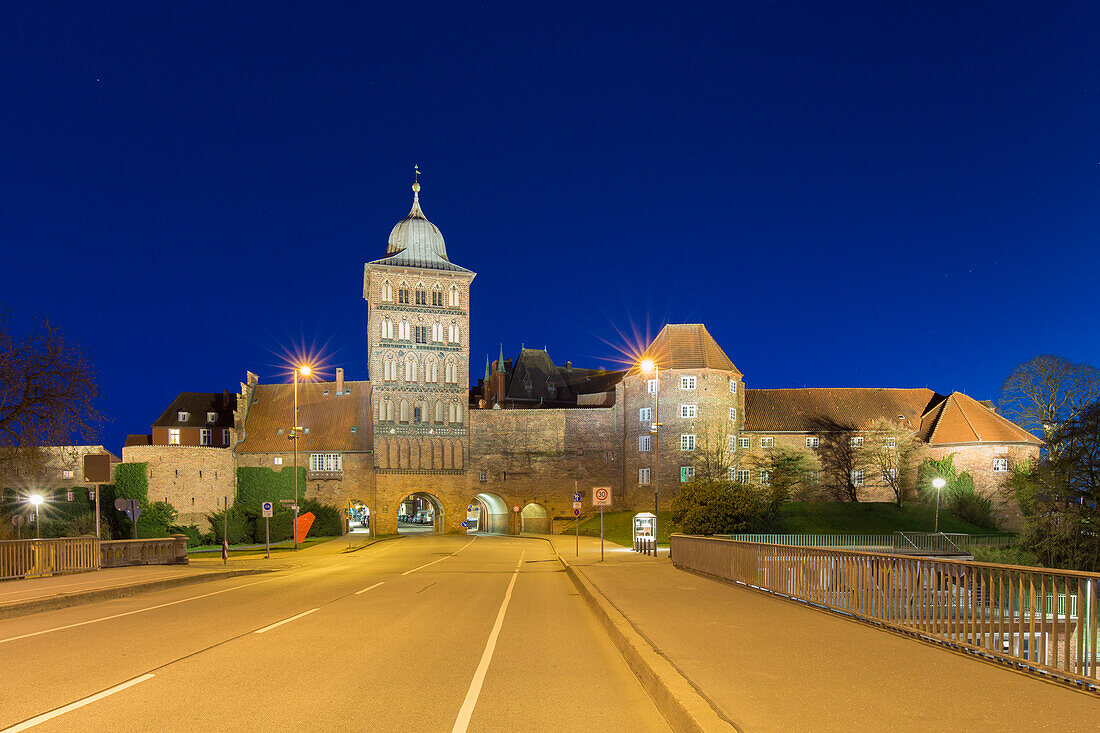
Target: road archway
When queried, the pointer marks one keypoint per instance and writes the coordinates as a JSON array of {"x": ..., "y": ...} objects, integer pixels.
[
  {"x": 534, "y": 519},
  {"x": 420, "y": 513},
  {"x": 488, "y": 513},
  {"x": 358, "y": 517}
]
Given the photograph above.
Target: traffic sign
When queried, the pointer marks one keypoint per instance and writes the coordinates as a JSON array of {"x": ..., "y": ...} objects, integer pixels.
[
  {"x": 576, "y": 512},
  {"x": 465, "y": 525},
  {"x": 601, "y": 496},
  {"x": 577, "y": 496},
  {"x": 515, "y": 509},
  {"x": 132, "y": 507},
  {"x": 285, "y": 502},
  {"x": 576, "y": 505},
  {"x": 266, "y": 509}
]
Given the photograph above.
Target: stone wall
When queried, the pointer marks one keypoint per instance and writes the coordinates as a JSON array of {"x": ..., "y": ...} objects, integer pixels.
[{"x": 195, "y": 480}]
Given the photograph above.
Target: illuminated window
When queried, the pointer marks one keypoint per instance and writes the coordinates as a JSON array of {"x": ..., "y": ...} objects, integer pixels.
[
  {"x": 173, "y": 436},
  {"x": 687, "y": 473}
]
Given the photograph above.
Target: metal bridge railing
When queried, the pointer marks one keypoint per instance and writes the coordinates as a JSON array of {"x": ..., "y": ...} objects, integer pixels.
[
  {"x": 1040, "y": 619},
  {"x": 923, "y": 543},
  {"x": 37, "y": 558}
]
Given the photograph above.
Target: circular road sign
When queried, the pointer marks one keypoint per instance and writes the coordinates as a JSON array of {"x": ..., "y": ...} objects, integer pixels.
[
  {"x": 577, "y": 496},
  {"x": 576, "y": 512},
  {"x": 600, "y": 494},
  {"x": 267, "y": 506},
  {"x": 515, "y": 509}
]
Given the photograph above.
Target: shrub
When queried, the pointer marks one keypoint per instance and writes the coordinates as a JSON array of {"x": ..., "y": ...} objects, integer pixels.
[
  {"x": 959, "y": 496},
  {"x": 131, "y": 481},
  {"x": 327, "y": 521},
  {"x": 155, "y": 519},
  {"x": 194, "y": 537},
  {"x": 240, "y": 528},
  {"x": 724, "y": 507},
  {"x": 259, "y": 484}
]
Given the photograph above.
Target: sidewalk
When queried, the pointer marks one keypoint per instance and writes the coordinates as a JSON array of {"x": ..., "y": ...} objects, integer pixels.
[
  {"x": 763, "y": 663},
  {"x": 33, "y": 595}
]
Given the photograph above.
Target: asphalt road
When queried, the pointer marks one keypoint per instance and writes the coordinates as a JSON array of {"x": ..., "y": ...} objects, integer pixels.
[{"x": 425, "y": 633}]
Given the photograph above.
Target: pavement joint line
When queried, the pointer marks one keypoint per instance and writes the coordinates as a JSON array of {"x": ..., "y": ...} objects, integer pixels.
[
  {"x": 39, "y": 719},
  {"x": 277, "y": 624},
  {"x": 468, "y": 705},
  {"x": 131, "y": 613},
  {"x": 359, "y": 592}
]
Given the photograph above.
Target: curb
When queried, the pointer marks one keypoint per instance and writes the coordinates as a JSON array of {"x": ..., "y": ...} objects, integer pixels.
[
  {"x": 683, "y": 706},
  {"x": 67, "y": 600}
]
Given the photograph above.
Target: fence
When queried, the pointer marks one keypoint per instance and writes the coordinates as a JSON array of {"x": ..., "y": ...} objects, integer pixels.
[
  {"x": 923, "y": 543},
  {"x": 37, "y": 558},
  {"x": 159, "y": 551},
  {"x": 1042, "y": 620}
]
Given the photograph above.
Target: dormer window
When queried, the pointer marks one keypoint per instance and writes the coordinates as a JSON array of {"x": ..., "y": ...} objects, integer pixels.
[
  {"x": 551, "y": 388},
  {"x": 183, "y": 416},
  {"x": 211, "y": 417},
  {"x": 527, "y": 385}
]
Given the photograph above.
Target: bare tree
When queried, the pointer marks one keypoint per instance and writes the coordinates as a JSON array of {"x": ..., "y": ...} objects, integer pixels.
[
  {"x": 844, "y": 460},
  {"x": 891, "y": 453},
  {"x": 791, "y": 471},
  {"x": 1048, "y": 391},
  {"x": 714, "y": 449},
  {"x": 48, "y": 391}
]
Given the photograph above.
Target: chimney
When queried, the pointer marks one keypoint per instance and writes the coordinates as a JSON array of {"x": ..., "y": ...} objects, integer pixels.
[{"x": 339, "y": 380}]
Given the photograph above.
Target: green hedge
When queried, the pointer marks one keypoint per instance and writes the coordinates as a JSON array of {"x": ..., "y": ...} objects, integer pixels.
[
  {"x": 132, "y": 481},
  {"x": 257, "y": 484}
]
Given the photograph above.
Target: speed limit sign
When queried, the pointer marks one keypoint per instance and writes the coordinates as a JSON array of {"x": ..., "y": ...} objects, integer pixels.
[{"x": 601, "y": 496}]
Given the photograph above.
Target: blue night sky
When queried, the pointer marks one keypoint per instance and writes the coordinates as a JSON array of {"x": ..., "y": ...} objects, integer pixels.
[{"x": 847, "y": 194}]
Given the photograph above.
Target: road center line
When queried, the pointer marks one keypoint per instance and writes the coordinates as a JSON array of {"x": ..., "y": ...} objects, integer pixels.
[
  {"x": 359, "y": 592},
  {"x": 277, "y": 624},
  {"x": 37, "y": 720},
  {"x": 472, "y": 694},
  {"x": 131, "y": 613},
  {"x": 433, "y": 562}
]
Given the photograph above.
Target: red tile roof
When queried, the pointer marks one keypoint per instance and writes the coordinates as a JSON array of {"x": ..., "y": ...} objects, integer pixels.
[
  {"x": 329, "y": 418},
  {"x": 688, "y": 346},
  {"x": 962, "y": 419}
]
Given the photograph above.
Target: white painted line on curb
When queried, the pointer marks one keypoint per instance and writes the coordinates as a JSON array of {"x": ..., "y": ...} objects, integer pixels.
[
  {"x": 277, "y": 624},
  {"x": 433, "y": 562},
  {"x": 463, "y": 721},
  {"x": 131, "y": 613},
  {"x": 74, "y": 705},
  {"x": 358, "y": 592}
]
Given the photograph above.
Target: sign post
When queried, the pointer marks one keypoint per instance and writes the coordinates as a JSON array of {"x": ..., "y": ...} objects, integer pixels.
[
  {"x": 577, "y": 517},
  {"x": 132, "y": 507},
  {"x": 267, "y": 510},
  {"x": 601, "y": 497},
  {"x": 97, "y": 470}
]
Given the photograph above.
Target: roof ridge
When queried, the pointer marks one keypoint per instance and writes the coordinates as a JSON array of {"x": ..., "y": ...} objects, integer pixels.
[{"x": 965, "y": 416}]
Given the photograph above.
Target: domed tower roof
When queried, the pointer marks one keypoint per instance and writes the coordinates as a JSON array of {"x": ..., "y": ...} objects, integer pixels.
[{"x": 416, "y": 242}]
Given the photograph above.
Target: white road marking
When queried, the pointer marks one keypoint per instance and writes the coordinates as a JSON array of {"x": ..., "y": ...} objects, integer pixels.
[
  {"x": 74, "y": 705},
  {"x": 359, "y": 592},
  {"x": 433, "y": 562},
  {"x": 277, "y": 624},
  {"x": 463, "y": 721},
  {"x": 131, "y": 613}
]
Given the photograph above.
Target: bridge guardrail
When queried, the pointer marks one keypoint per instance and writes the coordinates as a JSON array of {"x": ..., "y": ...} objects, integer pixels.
[
  {"x": 158, "y": 551},
  {"x": 39, "y": 558},
  {"x": 925, "y": 543},
  {"x": 1039, "y": 619}
]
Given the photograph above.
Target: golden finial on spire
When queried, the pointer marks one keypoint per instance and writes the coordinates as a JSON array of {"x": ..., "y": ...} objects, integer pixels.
[{"x": 416, "y": 181}]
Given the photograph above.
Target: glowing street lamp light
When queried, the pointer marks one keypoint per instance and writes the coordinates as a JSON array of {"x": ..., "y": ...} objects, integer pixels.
[
  {"x": 939, "y": 483},
  {"x": 649, "y": 366},
  {"x": 305, "y": 371},
  {"x": 37, "y": 500}
]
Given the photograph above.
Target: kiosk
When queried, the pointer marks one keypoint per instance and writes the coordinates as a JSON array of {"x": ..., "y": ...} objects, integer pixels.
[{"x": 645, "y": 533}]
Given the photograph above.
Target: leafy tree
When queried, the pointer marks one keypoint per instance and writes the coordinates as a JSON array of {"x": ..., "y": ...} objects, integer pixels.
[
  {"x": 890, "y": 452},
  {"x": 717, "y": 506},
  {"x": 1059, "y": 495},
  {"x": 48, "y": 395},
  {"x": 132, "y": 481},
  {"x": 1048, "y": 391},
  {"x": 958, "y": 496}
]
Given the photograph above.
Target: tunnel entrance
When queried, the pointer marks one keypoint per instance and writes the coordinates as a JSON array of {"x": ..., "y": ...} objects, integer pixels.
[
  {"x": 420, "y": 513},
  {"x": 487, "y": 514},
  {"x": 358, "y": 517},
  {"x": 534, "y": 519}
]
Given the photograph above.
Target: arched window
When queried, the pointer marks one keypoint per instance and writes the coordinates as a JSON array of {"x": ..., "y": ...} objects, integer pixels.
[
  {"x": 388, "y": 407},
  {"x": 403, "y": 294},
  {"x": 389, "y": 368},
  {"x": 410, "y": 369},
  {"x": 421, "y": 294},
  {"x": 403, "y": 329},
  {"x": 387, "y": 291},
  {"x": 439, "y": 411},
  {"x": 404, "y": 410},
  {"x": 452, "y": 299},
  {"x": 450, "y": 372},
  {"x": 386, "y": 328},
  {"x": 452, "y": 333},
  {"x": 437, "y": 332},
  {"x": 437, "y": 296},
  {"x": 431, "y": 372}
]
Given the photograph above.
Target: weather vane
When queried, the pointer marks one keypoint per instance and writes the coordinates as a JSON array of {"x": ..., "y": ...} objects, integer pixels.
[{"x": 416, "y": 173}]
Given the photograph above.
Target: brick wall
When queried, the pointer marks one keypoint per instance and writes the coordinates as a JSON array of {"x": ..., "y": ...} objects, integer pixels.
[
  {"x": 977, "y": 459},
  {"x": 195, "y": 480}
]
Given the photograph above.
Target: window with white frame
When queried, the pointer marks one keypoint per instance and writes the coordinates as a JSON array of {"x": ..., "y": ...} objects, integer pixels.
[
  {"x": 403, "y": 330},
  {"x": 66, "y": 474},
  {"x": 768, "y": 442},
  {"x": 389, "y": 368},
  {"x": 857, "y": 477},
  {"x": 688, "y": 410},
  {"x": 744, "y": 442},
  {"x": 857, "y": 441},
  {"x": 687, "y": 382},
  {"x": 744, "y": 475},
  {"x": 211, "y": 417},
  {"x": 687, "y": 473},
  {"x": 813, "y": 442},
  {"x": 651, "y": 385},
  {"x": 324, "y": 462},
  {"x": 387, "y": 291},
  {"x": 183, "y": 416},
  {"x": 452, "y": 300},
  {"x": 410, "y": 370},
  {"x": 437, "y": 332},
  {"x": 732, "y": 443},
  {"x": 1000, "y": 465},
  {"x": 687, "y": 442},
  {"x": 278, "y": 460},
  {"x": 733, "y": 414},
  {"x": 765, "y": 478},
  {"x": 173, "y": 436},
  {"x": 452, "y": 333},
  {"x": 645, "y": 414},
  {"x": 890, "y": 442},
  {"x": 889, "y": 475},
  {"x": 643, "y": 477},
  {"x": 733, "y": 386},
  {"x": 225, "y": 436},
  {"x": 386, "y": 329},
  {"x": 643, "y": 443},
  {"x": 731, "y": 473}
]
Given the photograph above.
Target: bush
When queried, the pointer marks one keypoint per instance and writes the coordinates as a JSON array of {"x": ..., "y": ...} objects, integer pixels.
[
  {"x": 240, "y": 528},
  {"x": 131, "y": 481},
  {"x": 327, "y": 521},
  {"x": 194, "y": 537},
  {"x": 724, "y": 507},
  {"x": 959, "y": 496},
  {"x": 258, "y": 484},
  {"x": 155, "y": 519}
]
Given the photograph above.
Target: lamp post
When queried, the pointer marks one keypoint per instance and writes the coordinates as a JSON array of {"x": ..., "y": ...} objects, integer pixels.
[
  {"x": 304, "y": 370},
  {"x": 37, "y": 501},
  {"x": 651, "y": 366},
  {"x": 939, "y": 483}
]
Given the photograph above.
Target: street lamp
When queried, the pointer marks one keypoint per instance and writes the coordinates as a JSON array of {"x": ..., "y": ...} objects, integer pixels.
[
  {"x": 939, "y": 483},
  {"x": 649, "y": 366},
  {"x": 37, "y": 501},
  {"x": 304, "y": 370}
]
